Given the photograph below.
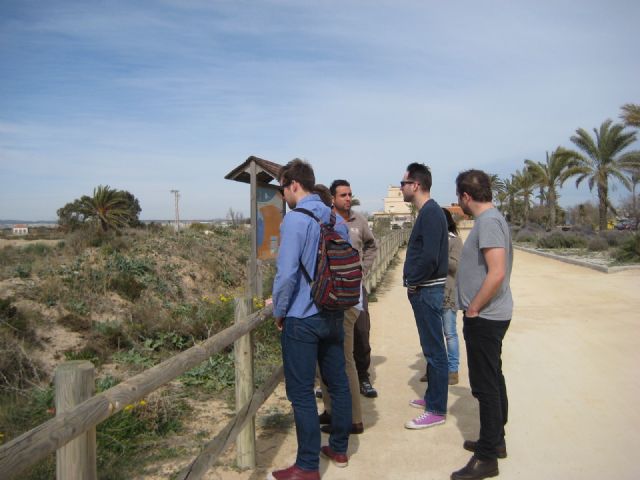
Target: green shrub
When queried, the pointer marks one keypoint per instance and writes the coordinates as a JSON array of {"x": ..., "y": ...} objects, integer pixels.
[
  {"x": 127, "y": 286},
  {"x": 18, "y": 369},
  {"x": 113, "y": 335},
  {"x": 22, "y": 411},
  {"x": 598, "y": 244},
  {"x": 615, "y": 237},
  {"x": 562, "y": 240},
  {"x": 39, "y": 249},
  {"x": 74, "y": 322},
  {"x": 215, "y": 374},
  {"x": 125, "y": 441},
  {"x": 629, "y": 250},
  {"x": 525, "y": 236},
  {"x": 22, "y": 271}
]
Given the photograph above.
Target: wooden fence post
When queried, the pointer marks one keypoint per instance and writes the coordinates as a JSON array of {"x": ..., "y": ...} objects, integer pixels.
[
  {"x": 74, "y": 383},
  {"x": 243, "y": 351}
]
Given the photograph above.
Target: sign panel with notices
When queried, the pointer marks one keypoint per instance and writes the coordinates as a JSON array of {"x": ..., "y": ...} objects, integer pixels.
[{"x": 270, "y": 213}]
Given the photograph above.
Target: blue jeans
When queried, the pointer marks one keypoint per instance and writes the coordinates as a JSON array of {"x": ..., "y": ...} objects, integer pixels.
[
  {"x": 307, "y": 342},
  {"x": 451, "y": 337},
  {"x": 427, "y": 308}
]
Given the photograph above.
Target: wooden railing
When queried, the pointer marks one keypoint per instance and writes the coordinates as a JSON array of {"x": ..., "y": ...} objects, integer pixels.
[{"x": 79, "y": 421}]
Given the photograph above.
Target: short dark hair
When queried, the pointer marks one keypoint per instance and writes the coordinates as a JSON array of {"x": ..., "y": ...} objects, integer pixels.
[
  {"x": 476, "y": 184},
  {"x": 451, "y": 223},
  {"x": 324, "y": 194},
  {"x": 300, "y": 171},
  {"x": 420, "y": 173},
  {"x": 338, "y": 183}
]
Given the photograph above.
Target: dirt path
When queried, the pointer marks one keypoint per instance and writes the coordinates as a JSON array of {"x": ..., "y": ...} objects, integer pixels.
[{"x": 571, "y": 362}]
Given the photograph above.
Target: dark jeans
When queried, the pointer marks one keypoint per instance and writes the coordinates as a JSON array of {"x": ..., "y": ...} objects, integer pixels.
[
  {"x": 307, "y": 342},
  {"x": 484, "y": 349},
  {"x": 427, "y": 308},
  {"x": 361, "y": 346}
]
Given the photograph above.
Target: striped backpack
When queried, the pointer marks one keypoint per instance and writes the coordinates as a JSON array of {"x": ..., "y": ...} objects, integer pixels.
[{"x": 337, "y": 281}]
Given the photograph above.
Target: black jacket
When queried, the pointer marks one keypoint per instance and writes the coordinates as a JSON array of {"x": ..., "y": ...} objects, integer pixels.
[{"x": 427, "y": 252}]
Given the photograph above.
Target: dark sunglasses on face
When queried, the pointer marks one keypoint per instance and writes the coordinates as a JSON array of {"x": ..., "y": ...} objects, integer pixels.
[{"x": 405, "y": 182}]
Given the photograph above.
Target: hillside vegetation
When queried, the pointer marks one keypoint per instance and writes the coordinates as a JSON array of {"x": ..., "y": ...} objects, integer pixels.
[{"x": 124, "y": 301}]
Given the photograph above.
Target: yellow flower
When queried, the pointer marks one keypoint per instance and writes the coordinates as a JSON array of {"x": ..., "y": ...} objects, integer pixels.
[
  {"x": 143, "y": 403},
  {"x": 128, "y": 407}
]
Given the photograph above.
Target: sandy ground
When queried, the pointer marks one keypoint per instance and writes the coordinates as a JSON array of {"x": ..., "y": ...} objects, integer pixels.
[{"x": 570, "y": 360}]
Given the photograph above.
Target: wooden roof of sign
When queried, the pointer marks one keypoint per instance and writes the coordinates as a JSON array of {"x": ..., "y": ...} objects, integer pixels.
[{"x": 267, "y": 171}]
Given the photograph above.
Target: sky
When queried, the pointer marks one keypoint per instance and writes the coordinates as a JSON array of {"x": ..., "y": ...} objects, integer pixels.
[{"x": 154, "y": 96}]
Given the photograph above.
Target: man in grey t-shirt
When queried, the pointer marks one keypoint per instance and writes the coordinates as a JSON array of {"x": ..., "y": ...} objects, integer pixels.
[{"x": 484, "y": 296}]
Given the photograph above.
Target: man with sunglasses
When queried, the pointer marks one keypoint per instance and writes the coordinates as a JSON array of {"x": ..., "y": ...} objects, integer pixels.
[
  {"x": 425, "y": 275},
  {"x": 310, "y": 336}
]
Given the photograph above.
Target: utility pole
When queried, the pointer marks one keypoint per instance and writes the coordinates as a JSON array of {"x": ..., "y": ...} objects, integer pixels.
[{"x": 176, "y": 194}]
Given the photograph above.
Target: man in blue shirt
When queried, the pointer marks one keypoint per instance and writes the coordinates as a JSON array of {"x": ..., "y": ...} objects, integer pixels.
[{"x": 310, "y": 336}]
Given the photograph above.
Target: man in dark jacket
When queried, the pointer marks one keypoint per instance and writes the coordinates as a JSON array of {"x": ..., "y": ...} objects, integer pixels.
[{"x": 425, "y": 275}]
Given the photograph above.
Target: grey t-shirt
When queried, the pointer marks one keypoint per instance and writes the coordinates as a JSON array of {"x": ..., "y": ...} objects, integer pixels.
[{"x": 490, "y": 229}]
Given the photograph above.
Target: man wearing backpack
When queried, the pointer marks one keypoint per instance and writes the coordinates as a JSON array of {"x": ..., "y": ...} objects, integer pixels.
[
  {"x": 425, "y": 275},
  {"x": 310, "y": 336}
]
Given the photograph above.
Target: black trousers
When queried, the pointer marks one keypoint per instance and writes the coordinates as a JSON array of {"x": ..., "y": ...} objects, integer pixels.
[
  {"x": 361, "y": 347},
  {"x": 483, "y": 339}
]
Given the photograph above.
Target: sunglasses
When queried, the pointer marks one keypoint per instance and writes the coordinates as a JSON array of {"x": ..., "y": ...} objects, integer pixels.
[
  {"x": 282, "y": 187},
  {"x": 407, "y": 182}
]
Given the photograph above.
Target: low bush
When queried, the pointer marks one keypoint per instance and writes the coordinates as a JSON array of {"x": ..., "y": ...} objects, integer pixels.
[
  {"x": 562, "y": 240},
  {"x": 526, "y": 236},
  {"x": 127, "y": 286},
  {"x": 125, "y": 441},
  {"x": 629, "y": 250},
  {"x": 614, "y": 237},
  {"x": 598, "y": 244}
]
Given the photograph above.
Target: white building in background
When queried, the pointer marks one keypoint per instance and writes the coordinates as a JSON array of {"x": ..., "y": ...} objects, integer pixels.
[
  {"x": 20, "y": 229},
  {"x": 395, "y": 207}
]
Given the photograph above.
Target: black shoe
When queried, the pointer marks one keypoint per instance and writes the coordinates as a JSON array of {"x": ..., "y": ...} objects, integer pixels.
[
  {"x": 501, "y": 450},
  {"x": 324, "y": 418},
  {"x": 477, "y": 469},
  {"x": 318, "y": 393},
  {"x": 367, "y": 389},
  {"x": 356, "y": 428}
]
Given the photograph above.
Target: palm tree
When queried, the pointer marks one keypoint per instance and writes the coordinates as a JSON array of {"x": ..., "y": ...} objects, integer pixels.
[
  {"x": 524, "y": 182},
  {"x": 497, "y": 185},
  {"x": 110, "y": 208},
  {"x": 635, "y": 179},
  {"x": 631, "y": 115},
  {"x": 510, "y": 191},
  {"x": 603, "y": 158},
  {"x": 550, "y": 176}
]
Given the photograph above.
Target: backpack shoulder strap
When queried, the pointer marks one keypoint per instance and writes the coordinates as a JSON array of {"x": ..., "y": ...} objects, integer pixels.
[{"x": 310, "y": 214}]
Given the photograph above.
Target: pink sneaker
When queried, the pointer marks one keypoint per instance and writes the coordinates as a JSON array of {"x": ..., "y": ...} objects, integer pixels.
[
  {"x": 425, "y": 420},
  {"x": 418, "y": 403}
]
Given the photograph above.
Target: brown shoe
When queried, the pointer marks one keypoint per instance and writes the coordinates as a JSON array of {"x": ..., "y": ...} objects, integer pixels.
[
  {"x": 477, "y": 469},
  {"x": 294, "y": 473},
  {"x": 339, "y": 459},
  {"x": 324, "y": 418},
  {"x": 356, "y": 428},
  {"x": 453, "y": 378},
  {"x": 501, "y": 450}
]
